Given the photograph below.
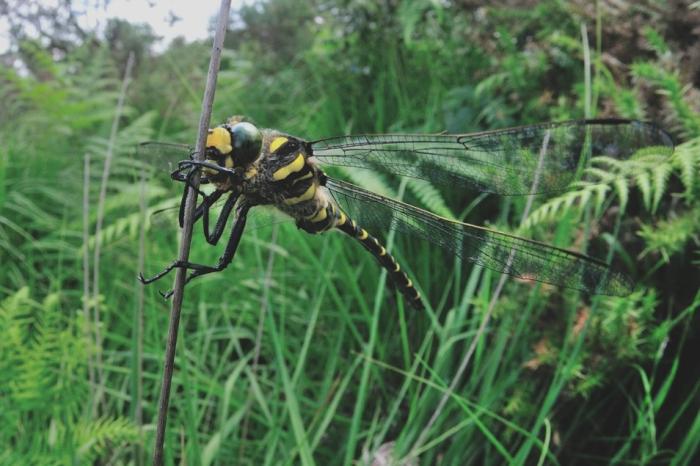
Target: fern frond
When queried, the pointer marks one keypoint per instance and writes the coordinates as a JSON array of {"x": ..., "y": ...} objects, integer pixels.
[
  {"x": 128, "y": 225},
  {"x": 660, "y": 177},
  {"x": 370, "y": 180},
  {"x": 96, "y": 438},
  {"x": 556, "y": 206},
  {"x": 47, "y": 384},
  {"x": 670, "y": 236},
  {"x": 429, "y": 196},
  {"x": 600, "y": 191},
  {"x": 670, "y": 85},
  {"x": 643, "y": 180},
  {"x": 622, "y": 189},
  {"x": 608, "y": 162},
  {"x": 687, "y": 159},
  {"x": 648, "y": 169},
  {"x": 602, "y": 176}
]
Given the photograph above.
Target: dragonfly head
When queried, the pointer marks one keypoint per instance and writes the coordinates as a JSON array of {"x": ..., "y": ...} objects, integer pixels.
[{"x": 233, "y": 144}]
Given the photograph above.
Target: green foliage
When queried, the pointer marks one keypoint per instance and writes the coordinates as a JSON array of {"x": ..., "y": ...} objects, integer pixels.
[
  {"x": 618, "y": 333},
  {"x": 670, "y": 86},
  {"x": 42, "y": 358},
  {"x": 649, "y": 171},
  {"x": 341, "y": 369},
  {"x": 669, "y": 237}
]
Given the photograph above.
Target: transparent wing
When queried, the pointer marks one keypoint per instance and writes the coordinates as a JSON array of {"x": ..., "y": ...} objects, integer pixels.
[
  {"x": 165, "y": 215},
  {"x": 519, "y": 257},
  {"x": 162, "y": 156},
  {"x": 502, "y": 161}
]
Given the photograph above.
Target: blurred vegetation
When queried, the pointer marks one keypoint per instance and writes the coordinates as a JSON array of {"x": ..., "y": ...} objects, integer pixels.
[{"x": 300, "y": 352}]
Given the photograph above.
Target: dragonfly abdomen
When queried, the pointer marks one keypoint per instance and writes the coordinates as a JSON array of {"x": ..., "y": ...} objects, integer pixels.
[{"x": 385, "y": 259}]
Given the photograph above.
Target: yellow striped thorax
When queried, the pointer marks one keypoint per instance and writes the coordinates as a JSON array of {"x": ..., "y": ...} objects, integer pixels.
[{"x": 278, "y": 142}]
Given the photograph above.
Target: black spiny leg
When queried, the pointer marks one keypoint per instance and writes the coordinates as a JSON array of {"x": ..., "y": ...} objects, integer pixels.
[
  {"x": 187, "y": 178},
  {"x": 213, "y": 238},
  {"x": 224, "y": 260},
  {"x": 185, "y": 164},
  {"x": 188, "y": 184},
  {"x": 201, "y": 269},
  {"x": 203, "y": 208},
  {"x": 175, "y": 265},
  {"x": 212, "y": 198}
]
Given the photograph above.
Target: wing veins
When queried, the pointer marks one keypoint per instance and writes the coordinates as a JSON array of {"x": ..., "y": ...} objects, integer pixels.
[
  {"x": 493, "y": 160},
  {"x": 502, "y": 252}
]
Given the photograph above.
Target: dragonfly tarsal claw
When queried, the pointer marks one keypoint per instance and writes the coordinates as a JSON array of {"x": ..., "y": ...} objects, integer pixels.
[{"x": 148, "y": 281}]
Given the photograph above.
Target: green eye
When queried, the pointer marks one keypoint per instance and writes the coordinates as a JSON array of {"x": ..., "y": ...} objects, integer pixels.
[{"x": 247, "y": 142}]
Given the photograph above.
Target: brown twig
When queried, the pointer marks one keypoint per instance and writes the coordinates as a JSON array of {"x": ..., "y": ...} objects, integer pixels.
[
  {"x": 181, "y": 273},
  {"x": 138, "y": 326}
]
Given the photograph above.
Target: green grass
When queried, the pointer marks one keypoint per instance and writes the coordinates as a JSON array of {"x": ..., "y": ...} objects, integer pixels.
[{"x": 301, "y": 352}]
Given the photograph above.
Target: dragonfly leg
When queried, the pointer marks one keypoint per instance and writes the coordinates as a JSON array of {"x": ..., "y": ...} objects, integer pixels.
[
  {"x": 174, "y": 265},
  {"x": 183, "y": 201},
  {"x": 177, "y": 175},
  {"x": 211, "y": 166},
  {"x": 207, "y": 203},
  {"x": 214, "y": 237},
  {"x": 226, "y": 257},
  {"x": 202, "y": 208}
]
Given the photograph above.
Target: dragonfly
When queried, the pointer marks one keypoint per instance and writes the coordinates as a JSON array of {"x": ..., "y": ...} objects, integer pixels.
[{"x": 250, "y": 167}]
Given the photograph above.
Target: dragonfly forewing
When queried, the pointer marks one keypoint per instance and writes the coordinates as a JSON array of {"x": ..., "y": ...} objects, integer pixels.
[
  {"x": 505, "y": 162},
  {"x": 163, "y": 156}
]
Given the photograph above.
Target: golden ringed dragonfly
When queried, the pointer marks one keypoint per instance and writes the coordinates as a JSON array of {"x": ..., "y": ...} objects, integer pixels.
[{"x": 251, "y": 167}]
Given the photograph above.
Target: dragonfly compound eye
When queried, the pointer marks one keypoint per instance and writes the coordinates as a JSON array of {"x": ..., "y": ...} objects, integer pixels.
[{"x": 247, "y": 142}]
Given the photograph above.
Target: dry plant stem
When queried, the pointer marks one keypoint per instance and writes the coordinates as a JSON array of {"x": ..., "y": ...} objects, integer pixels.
[
  {"x": 138, "y": 328},
  {"x": 86, "y": 265},
  {"x": 98, "y": 229},
  {"x": 487, "y": 317},
  {"x": 178, "y": 287}
]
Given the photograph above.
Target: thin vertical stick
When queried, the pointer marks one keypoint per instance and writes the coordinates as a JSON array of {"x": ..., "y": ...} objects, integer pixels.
[
  {"x": 98, "y": 229},
  {"x": 138, "y": 326},
  {"x": 181, "y": 273},
  {"x": 86, "y": 267}
]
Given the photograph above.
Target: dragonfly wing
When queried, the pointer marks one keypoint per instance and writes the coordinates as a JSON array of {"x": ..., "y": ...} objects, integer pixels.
[
  {"x": 504, "y": 161},
  {"x": 519, "y": 257},
  {"x": 162, "y": 156},
  {"x": 164, "y": 214}
]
